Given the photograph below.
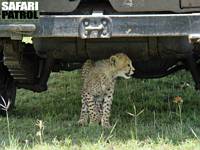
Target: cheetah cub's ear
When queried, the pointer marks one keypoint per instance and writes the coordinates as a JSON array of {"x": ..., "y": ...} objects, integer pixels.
[{"x": 113, "y": 60}]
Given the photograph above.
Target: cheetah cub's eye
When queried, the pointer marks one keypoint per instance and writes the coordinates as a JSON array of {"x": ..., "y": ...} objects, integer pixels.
[{"x": 129, "y": 65}]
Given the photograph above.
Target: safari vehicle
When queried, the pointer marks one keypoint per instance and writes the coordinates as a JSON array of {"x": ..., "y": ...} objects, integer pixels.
[{"x": 160, "y": 36}]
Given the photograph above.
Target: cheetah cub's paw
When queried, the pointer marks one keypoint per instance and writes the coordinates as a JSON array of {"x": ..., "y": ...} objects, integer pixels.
[
  {"x": 82, "y": 122},
  {"x": 106, "y": 125}
]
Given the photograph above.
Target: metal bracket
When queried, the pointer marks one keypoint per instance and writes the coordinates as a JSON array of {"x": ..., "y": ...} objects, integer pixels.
[{"x": 98, "y": 26}]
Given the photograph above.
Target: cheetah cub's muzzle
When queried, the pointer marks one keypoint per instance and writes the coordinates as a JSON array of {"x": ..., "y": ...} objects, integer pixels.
[{"x": 130, "y": 73}]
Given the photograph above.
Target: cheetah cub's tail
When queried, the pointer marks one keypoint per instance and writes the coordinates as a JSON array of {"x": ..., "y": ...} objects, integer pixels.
[{"x": 86, "y": 68}]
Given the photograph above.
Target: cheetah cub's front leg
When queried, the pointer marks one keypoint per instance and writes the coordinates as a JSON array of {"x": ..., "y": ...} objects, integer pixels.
[
  {"x": 84, "y": 112},
  {"x": 107, "y": 103}
]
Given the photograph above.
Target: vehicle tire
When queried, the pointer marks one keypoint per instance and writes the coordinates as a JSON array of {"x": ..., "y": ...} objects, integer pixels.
[{"x": 7, "y": 88}]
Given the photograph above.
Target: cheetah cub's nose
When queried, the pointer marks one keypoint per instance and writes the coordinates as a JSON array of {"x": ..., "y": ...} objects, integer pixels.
[{"x": 132, "y": 70}]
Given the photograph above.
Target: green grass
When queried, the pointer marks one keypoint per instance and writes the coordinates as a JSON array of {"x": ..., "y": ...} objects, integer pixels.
[{"x": 59, "y": 107}]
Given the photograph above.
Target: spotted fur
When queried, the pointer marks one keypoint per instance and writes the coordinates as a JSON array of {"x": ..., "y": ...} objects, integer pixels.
[{"x": 98, "y": 87}]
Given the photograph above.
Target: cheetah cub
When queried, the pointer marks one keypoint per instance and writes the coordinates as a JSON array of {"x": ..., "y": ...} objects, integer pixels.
[{"x": 98, "y": 87}]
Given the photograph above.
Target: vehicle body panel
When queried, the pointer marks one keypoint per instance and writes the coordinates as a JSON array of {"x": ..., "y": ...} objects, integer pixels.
[{"x": 155, "y": 5}]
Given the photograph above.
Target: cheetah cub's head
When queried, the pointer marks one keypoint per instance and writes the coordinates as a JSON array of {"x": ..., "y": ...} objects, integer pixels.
[{"x": 122, "y": 65}]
